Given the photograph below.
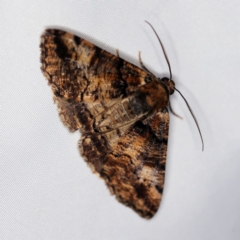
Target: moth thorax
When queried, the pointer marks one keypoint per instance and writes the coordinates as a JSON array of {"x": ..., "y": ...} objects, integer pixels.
[{"x": 169, "y": 83}]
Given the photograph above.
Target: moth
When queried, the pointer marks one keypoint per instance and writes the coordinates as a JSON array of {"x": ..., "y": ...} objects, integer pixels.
[{"x": 121, "y": 111}]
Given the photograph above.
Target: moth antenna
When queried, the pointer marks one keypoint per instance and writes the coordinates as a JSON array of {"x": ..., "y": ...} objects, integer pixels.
[
  {"x": 164, "y": 52},
  {"x": 190, "y": 110}
]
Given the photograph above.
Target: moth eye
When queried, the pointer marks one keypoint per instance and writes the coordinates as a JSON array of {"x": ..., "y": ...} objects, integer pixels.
[
  {"x": 165, "y": 80},
  {"x": 164, "y": 110},
  {"x": 148, "y": 79}
]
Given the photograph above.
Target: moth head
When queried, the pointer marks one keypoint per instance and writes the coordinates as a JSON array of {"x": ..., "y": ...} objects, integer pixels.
[{"x": 169, "y": 83}]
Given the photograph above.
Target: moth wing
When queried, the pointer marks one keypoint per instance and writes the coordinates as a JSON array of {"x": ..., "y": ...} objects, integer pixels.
[
  {"x": 87, "y": 81},
  {"x": 134, "y": 167},
  {"x": 84, "y": 78}
]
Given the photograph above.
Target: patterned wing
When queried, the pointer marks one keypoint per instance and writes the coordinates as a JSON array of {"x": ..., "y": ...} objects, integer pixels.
[
  {"x": 85, "y": 79},
  {"x": 134, "y": 167},
  {"x": 102, "y": 95}
]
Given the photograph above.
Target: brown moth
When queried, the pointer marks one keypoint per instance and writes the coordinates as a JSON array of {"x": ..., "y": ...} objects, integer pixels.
[{"x": 121, "y": 112}]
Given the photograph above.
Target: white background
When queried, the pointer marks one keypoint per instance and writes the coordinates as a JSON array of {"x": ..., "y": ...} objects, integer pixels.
[{"x": 48, "y": 192}]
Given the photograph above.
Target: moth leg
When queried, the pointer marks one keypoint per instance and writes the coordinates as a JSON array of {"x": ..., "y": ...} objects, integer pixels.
[
  {"x": 171, "y": 110},
  {"x": 141, "y": 62},
  {"x": 117, "y": 53}
]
